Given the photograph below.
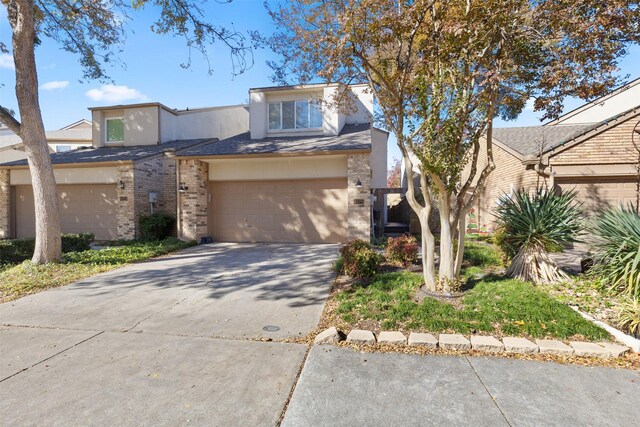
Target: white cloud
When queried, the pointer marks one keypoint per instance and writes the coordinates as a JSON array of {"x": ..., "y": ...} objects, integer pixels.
[
  {"x": 56, "y": 84},
  {"x": 529, "y": 105},
  {"x": 115, "y": 93},
  {"x": 6, "y": 61}
]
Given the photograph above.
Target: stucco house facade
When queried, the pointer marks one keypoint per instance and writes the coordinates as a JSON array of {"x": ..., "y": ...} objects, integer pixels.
[
  {"x": 70, "y": 137},
  {"x": 589, "y": 149},
  {"x": 287, "y": 167}
]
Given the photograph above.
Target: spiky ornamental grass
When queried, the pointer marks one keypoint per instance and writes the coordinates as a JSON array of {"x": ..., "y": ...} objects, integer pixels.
[
  {"x": 618, "y": 250},
  {"x": 533, "y": 223}
]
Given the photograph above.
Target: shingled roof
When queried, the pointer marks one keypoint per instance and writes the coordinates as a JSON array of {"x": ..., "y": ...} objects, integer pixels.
[
  {"x": 527, "y": 140},
  {"x": 115, "y": 154},
  {"x": 352, "y": 138}
]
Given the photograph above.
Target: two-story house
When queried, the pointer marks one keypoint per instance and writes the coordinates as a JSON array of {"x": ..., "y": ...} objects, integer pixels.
[{"x": 288, "y": 167}]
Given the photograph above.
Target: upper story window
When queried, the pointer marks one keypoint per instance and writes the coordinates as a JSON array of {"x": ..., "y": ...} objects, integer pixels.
[
  {"x": 303, "y": 114},
  {"x": 115, "y": 129},
  {"x": 62, "y": 148}
]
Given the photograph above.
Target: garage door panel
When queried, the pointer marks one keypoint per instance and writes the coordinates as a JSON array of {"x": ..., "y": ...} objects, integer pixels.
[
  {"x": 83, "y": 208},
  {"x": 313, "y": 211},
  {"x": 600, "y": 192}
]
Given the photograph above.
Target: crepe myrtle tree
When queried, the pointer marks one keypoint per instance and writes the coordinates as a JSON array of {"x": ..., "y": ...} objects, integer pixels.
[
  {"x": 94, "y": 30},
  {"x": 441, "y": 71}
]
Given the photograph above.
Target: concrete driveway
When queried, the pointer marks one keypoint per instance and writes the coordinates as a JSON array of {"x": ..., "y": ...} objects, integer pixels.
[{"x": 178, "y": 340}]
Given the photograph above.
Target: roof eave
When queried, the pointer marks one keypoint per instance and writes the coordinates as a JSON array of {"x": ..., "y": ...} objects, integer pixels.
[
  {"x": 272, "y": 154},
  {"x": 75, "y": 164},
  {"x": 566, "y": 145}
]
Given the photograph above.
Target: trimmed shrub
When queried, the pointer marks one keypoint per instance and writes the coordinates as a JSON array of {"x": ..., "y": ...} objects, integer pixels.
[
  {"x": 359, "y": 260},
  {"x": 617, "y": 253},
  {"x": 157, "y": 226},
  {"x": 16, "y": 251},
  {"x": 403, "y": 249},
  {"x": 77, "y": 242}
]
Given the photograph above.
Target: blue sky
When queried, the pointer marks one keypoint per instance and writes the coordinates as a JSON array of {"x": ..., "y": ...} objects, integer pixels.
[{"x": 152, "y": 71}]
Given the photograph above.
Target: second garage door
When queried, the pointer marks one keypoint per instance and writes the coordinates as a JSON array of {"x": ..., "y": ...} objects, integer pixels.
[
  {"x": 304, "y": 211},
  {"x": 600, "y": 192},
  {"x": 88, "y": 208}
]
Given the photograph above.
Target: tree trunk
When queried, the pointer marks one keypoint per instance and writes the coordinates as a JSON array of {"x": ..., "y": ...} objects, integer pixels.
[
  {"x": 462, "y": 230},
  {"x": 428, "y": 251},
  {"x": 447, "y": 259},
  {"x": 48, "y": 244}
]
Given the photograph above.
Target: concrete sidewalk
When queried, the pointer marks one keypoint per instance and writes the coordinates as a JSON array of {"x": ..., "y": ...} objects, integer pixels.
[{"x": 343, "y": 387}]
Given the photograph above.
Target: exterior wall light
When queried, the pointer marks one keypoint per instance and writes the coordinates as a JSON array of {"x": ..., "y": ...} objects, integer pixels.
[
  {"x": 358, "y": 183},
  {"x": 121, "y": 184},
  {"x": 183, "y": 188}
]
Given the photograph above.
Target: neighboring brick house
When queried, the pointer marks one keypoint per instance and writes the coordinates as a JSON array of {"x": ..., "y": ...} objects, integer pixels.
[
  {"x": 284, "y": 168},
  {"x": 589, "y": 149}
]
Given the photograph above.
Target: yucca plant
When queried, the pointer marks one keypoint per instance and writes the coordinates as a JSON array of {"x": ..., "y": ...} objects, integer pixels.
[
  {"x": 617, "y": 252},
  {"x": 532, "y": 224},
  {"x": 629, "y": 317}
]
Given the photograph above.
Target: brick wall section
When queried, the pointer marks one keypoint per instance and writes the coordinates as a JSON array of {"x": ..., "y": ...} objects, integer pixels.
[
  {"x": 509, "y": 173},
  {"x": 613, "y": 145},
  {"x": 148, "y": 177},
  {"x": 125, "y": 213},
  {"x": 5, "y": 226},
  {"x": 169, "y": 192},
  {"x": 359, "y": 200},
  {"x": 193, "y": 203}
]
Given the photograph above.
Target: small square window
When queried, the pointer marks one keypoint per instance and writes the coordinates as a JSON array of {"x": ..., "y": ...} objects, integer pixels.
[
  {"x": 115, "y": 129},
  {"x": 62, "y": 148}
]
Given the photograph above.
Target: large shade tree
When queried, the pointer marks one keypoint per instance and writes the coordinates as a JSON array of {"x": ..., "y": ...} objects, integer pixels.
[
  {"x": 441, "y": 71},
  {"x": 94, "y": 30}
]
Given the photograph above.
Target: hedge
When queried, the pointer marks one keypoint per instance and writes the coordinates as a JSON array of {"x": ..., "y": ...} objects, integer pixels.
[{"x": 15, "y": 251}]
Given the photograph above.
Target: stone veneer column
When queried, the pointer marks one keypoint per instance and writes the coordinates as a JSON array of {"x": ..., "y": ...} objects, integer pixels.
[
  {"x": 359, "y": 204},
  {"x": 125, "y": 212},
  {"x": 194, "y": 174},
  {"x": 5, "y": 210}
]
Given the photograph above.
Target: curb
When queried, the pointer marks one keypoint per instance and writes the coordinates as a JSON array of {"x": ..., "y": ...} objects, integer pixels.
[{"x": 482, "y": 343}]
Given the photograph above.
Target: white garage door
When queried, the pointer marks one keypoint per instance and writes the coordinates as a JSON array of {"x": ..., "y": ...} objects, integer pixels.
[
  {"x": 305, "y": 211},
  {"x": 87, "y": 208}
]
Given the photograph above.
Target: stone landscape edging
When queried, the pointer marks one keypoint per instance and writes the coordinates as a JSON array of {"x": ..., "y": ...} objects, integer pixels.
[
  {"x": 628, "y": 340},
  {"x": 482, "y": 343}
]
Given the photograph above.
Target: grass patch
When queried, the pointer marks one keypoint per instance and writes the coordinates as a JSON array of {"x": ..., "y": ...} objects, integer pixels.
[
  {"x": 482, "y": 254},
  {"x": 26, "y": 278},
  {"x": 495, "y": 305}
]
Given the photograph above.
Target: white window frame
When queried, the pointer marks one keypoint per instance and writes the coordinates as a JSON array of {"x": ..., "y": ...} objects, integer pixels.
[
  {"x": 295, "y": 116},
  {"x": 106, "y": 130}
]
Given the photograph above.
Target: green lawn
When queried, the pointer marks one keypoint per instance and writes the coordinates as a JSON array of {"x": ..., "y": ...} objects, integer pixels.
[
  {"x": 493, "y": 304},
  {"x": 26, "y": 278}
]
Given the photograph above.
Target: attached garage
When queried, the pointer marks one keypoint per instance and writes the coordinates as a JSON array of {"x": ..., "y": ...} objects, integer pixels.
[
  {"x": 303, "y": 211},
  {"x": 600, "y": 192},
  {"x": 83, "y": 208}
]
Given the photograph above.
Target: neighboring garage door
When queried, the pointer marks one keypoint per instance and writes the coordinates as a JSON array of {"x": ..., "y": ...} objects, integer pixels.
[
  {"x": 600, "y": 192},
  {"x": 87, "y": 208},
  {"x": 305, "y": 211}
]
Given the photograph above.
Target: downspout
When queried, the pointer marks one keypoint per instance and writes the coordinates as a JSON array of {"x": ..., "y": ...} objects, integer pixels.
[{"x": 177, "y": 190}]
